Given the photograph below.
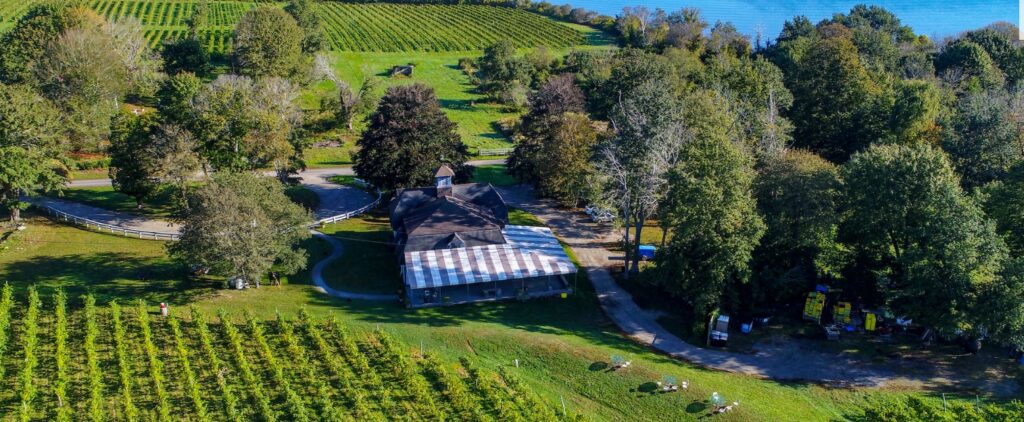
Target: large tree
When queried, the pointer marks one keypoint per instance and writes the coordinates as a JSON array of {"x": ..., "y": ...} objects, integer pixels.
[
  {"x": 24, "y": 45},
  {"x": 304, "y": 12},
  {"x": 833, "y": 95},
  {"x": 982, "y": 137},
  {"x": 635, "y": 163},
  {"x": 408, "y": 137},
  {"x": 969, "y": 66},
  {"x": 558, "y": 96},
  {"x": 502, "y": 71},
  {"x": 268, "y": 42},
  {"x": 798, "y": 194},
  {"x": 1005, "y": 203},
  {"x": 243, "y": 124},
  {"x": 87, "y": 79},
  {"x": 132, "y": 166},
  {"x": 716, "y": 225},
  {"x": 936, "y": 249},
  {"x": 242, "y": 224},
  {"x": 175, "y": 160},
  {"x": 176, "y": 97},
  {"x": 31, "y": 150}
]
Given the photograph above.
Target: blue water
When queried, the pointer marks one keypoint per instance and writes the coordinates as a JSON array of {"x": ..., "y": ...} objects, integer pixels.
[{"x": 935, "y": 18}]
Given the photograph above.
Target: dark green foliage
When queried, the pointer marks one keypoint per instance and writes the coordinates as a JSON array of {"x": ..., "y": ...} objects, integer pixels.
[
  {"x": 716, "y": 226},
  {"x": 798, "y": 195},
  {"x": 22, "y": 46},
  {"x": 1005, "y": 204},
  {"x": 31, "y": 151},
  {"x": 241, "y": 224},
  {"x": 969, "y": 66},
  {"x": 560, "y": 95},
  {"x": 936, "y": 249},
  {"x": 132, "y": 165},
  {"x": 176, "y": 95},
  {"x": 833, "y": 94},
  {"x": 268, "y": 42},
  {"x": 185, "y": 55},
  {"x": 407, "y": 139},
  {"x": 305, "y": 15},
  {"x": 502, "y": 71},
  {"x": 981, "y": 137}
]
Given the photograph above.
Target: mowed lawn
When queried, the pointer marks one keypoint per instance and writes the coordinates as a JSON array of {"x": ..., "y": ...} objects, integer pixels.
[{"x": 563, "y": 345}]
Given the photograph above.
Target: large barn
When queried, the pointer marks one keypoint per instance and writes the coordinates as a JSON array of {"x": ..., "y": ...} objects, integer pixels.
[{"x": 455, "y": 246}]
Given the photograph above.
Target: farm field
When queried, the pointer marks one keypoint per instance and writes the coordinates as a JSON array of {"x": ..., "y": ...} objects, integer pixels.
[
  {"x": 129, "y": 363},
  {"x": 349, "y": 27},
  {"x": 563, "y": 346}
]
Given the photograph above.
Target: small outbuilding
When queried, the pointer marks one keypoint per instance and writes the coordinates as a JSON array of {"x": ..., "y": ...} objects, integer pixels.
[{"x": 406, "y": 70}]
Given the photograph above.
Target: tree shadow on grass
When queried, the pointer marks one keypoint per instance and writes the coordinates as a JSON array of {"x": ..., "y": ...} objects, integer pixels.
[{"x": 107, "y": 276}]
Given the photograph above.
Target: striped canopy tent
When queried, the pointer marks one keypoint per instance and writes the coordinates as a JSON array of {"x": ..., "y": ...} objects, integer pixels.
[{"x": 529, "y": 252}]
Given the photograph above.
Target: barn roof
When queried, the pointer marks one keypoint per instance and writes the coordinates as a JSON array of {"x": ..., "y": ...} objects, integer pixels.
[{"x": 529, "y": 252}]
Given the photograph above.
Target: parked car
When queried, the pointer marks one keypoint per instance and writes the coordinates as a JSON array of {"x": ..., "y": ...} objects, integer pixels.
[{"x": 600, "y": 215}]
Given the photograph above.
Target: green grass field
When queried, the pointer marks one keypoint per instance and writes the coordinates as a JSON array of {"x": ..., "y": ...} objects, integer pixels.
[
  {"x": 561, "y": 344},
  {"x": 494, "y": 174}
]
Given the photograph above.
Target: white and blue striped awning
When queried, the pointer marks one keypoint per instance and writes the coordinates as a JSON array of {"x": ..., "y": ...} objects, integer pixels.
[{"x": 528, "y": 252}]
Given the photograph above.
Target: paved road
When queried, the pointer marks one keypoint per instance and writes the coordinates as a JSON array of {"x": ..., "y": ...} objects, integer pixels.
[
  {"x": 103, "y": 215},
  {"x": 782, "y": 362},
  {"x": 321, "y": 284}
]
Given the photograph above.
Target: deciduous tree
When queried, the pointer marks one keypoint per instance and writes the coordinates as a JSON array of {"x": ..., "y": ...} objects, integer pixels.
[
  {"x": 937, "y": 250},
  {"x": 798, "y": 195},
  {"x": 408, "y": 137},
  {"x": 87, "y": 79},
  {"x": 31, "y": 159},
  {"x": 242, "y": 224},
  {"x": 268, "y": 42},
  {"x": 313, "y": 39},
  {"x": 245, "y": 125},
  {"x": 132, "y": 165},
  {"x": 716, "y": 225}
]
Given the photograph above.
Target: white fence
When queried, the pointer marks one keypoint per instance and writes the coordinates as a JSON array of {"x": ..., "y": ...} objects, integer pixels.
[
  {"x": 141, "y": 234},
  {"x": 493, "y": 152},
  {"x": 348, "y": 215}
]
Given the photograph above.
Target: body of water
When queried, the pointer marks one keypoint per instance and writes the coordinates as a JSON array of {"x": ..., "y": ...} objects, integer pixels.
[{"x": 935, "y": 18}]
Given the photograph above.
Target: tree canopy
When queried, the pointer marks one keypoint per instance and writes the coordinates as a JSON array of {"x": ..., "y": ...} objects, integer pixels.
[
  {"x": 242, "y": 224},
  {"x": 268, "y": 42},
  {"x": 407, "y": 139}
]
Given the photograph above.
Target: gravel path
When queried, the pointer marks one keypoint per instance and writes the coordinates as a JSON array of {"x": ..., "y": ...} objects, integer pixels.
[
  {"x": 321, "y": 284},
  {"x": 783, "y": 361}
]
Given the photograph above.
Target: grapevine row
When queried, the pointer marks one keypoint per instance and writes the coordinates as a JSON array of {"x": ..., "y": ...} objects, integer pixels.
[
  {"x": 401, "y": 366},
  {"x": 297, "y": 353},
  {"x": 61, "y": 356},
  {"x": 191, "y": 383},
  {"x": 155, "y": 366},
  {"x": 295, "y": 405},
  {"x": 253, "y": 384},
  {"x": 124, "y": 370},
  {"x": 205, "y": 339},
  {"x": 92, "y": 331},
  {"x": 488, "y": 389},
  {"x": 6, "y": 302},
  {"x": 337, "y": 368},
  {"x": 29, "y": 343},
  {"x": 454, "y": 389}
]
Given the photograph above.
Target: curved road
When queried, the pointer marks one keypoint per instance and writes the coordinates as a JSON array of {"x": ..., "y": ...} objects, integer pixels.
[{"x": 781, "y": 361}]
